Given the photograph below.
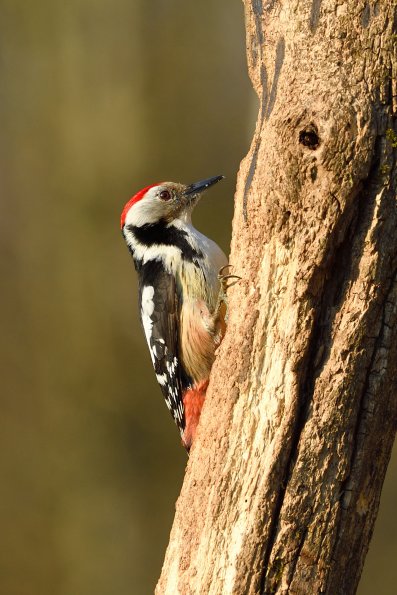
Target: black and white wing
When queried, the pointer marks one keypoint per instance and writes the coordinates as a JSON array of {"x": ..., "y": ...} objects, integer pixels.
[{"x": 159, "y": 305}]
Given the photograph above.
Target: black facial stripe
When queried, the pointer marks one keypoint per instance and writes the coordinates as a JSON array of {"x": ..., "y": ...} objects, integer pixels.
[{"x": 161, "y": 234}]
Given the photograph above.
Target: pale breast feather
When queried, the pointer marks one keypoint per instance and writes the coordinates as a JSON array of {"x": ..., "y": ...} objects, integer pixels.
[{"x": 160, "y": 309}]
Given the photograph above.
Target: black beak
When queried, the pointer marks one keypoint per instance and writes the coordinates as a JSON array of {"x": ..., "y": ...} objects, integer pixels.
[{"x": 198, "y": 187}]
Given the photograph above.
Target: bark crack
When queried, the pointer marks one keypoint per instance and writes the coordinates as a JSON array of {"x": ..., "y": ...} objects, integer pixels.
[
  {"x": 337, "y": 271},
  {"x": 349, "y": 488}
]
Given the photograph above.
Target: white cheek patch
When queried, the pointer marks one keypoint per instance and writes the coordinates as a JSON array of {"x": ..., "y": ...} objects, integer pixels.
[{"x": 149, "y": 209}]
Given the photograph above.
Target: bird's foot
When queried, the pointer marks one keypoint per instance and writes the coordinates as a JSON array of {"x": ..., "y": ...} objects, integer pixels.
[{"x": 227, "y": 280}]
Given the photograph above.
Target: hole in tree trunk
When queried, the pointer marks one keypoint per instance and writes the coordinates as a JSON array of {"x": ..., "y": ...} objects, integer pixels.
[{"x": 309, "y": 137}]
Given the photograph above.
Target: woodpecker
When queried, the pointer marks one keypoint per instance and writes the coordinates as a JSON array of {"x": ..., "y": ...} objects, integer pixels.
[{"x": 182, "y": 283}]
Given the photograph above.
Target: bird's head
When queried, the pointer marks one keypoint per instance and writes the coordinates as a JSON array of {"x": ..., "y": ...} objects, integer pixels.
[{"x": 165, "y": 201}]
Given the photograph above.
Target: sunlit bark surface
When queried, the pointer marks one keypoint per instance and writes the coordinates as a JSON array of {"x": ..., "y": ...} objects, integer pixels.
[{"x": 283, "y": 485}]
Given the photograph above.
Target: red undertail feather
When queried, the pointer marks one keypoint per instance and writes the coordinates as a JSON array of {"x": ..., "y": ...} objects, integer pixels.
[{"x": 193, "y": 401}]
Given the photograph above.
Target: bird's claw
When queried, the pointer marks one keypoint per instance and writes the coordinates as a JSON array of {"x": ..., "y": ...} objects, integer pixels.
[
  {"x": 224, "y": 278},
  {"x": 226, "y": 266}
]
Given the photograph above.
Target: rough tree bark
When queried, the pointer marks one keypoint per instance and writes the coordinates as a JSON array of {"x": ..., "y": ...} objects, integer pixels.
[{"x": 283, "y": 484}]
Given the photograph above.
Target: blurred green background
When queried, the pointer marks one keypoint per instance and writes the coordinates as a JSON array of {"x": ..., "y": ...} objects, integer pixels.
[{"x": 98, "y": 99}]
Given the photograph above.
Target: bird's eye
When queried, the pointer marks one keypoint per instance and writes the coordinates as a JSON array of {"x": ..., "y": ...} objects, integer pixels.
[{"x": 165, "y": 195}]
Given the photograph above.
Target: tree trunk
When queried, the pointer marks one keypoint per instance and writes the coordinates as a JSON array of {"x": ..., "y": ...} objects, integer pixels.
[{"x": 282, "y": 487}]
